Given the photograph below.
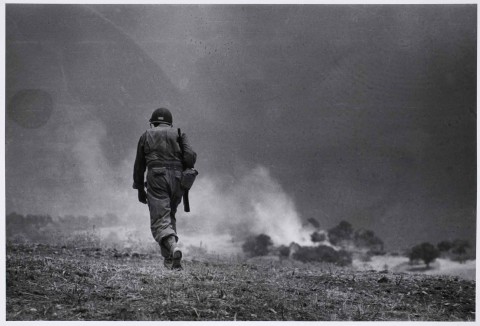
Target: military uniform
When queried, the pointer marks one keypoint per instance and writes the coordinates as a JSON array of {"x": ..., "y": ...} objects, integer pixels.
[{"x": 159, "y": 151}]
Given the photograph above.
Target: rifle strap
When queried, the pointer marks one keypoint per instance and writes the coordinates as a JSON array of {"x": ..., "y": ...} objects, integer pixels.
[
  {"x": 186, "y": 202},
  {"x": 180, "y": 142}
]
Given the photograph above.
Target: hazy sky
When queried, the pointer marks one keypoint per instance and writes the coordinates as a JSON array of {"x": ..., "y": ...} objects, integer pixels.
[{"x": 364, "y": 113}]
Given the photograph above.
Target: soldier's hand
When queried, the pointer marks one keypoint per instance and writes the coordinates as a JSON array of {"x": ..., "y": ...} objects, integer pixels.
[{"x": 142, "y": 196}]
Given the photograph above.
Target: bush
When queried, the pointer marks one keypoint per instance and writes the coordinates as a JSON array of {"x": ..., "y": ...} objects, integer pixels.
[
  {"x": 425, "y": 251},
  {"x": 318, "y": 237},
  {"x": 369, "y": 240},
  {"x": 456, "y": 250},
  {"x": 444, "y": 246},
  {"x": 283, "y": 251},
  {"x": 323, "y": 254},
  {"x": 459, "y": 248},
  {"x": 342, "y": 232},
  {"x": 257, "y": 245}
]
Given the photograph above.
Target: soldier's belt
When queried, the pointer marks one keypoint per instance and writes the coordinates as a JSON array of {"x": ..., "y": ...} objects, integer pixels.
[{"x": 173, "y": 165}]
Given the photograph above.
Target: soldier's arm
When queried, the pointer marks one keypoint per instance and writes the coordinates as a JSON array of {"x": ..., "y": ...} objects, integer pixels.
[
  {"x": 140, "y": 165},
  {"x": 189, "y": 156}
]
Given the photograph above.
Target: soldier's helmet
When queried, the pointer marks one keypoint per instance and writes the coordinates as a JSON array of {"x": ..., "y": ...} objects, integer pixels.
[{"x": 161, "y": 115}]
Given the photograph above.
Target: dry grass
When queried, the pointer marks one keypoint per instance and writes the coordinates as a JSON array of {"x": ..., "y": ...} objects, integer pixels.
[{"x": 55, "y": 282}]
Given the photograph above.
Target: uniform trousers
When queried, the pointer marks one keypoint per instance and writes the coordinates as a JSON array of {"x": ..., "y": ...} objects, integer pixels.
[{"x": 164, "y": 194}]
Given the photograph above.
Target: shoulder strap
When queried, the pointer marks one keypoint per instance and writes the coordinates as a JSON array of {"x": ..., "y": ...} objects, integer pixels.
[{"x": 180, "y": 142}]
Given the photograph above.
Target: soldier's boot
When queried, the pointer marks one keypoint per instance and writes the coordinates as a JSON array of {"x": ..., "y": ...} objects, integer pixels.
[
  {"x": 175, "y": 252},
  {"x": 168, "y": 262}
]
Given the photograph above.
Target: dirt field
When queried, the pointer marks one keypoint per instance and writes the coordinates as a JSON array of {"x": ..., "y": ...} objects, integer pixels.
[
  {"x": 466, "y": 270},
  {"x": 53, "y": 282}
]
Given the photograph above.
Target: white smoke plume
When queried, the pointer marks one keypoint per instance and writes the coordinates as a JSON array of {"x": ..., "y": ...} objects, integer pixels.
[
  {"x": 225, "y": 213},
  {"x": 103, "y": 189}
]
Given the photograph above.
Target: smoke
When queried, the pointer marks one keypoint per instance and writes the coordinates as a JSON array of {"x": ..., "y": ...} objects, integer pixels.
[
  {"x": 96, "y": 187},
  {"x": 226, "y": 212},
  {"x": 120, "y": 62}
]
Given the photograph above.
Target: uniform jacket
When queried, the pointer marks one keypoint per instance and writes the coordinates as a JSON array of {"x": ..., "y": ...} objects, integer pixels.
[{"x": 160, "y": 146}]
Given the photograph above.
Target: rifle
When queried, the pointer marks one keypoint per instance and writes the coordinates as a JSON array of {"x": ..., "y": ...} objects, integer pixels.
[
  {"x": 188, "y": 176},
  {"x": 186, "y": 202}
]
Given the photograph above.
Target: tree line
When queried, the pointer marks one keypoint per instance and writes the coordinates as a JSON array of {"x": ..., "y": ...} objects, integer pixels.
[
  {"x": 455, "y": 250},
  {"x": 347, "y": 241}
]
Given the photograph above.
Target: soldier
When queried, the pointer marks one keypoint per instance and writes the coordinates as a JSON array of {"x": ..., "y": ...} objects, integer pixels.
[{"x": 165, "y": 155}]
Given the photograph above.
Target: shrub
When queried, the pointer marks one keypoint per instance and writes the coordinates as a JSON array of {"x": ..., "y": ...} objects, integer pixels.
[
  {"x": 257, "y": 245},
  {"x": 444, "y": 246},
  {"x": 459, "y": 248},
  {"x": 283, "y": 251},
  {"x": 323, "y": 254},
  {"x": 318, "y": 237},
  {"x": 456, "y": 250},
  {"x": 425, "y": 251},
  {"x": 342, "y": 232},
  {"x": 368, "y": 239}
]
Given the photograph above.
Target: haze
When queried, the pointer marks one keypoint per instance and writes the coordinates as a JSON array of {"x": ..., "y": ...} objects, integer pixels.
[{"x": 364, "y": 113}]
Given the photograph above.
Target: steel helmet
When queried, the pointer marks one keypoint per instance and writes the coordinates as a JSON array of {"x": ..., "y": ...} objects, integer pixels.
[{"x": 161, "y": 115}]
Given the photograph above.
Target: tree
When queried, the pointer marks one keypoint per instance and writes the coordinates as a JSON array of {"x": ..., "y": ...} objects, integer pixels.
[
  {"x": 459, "y": 248},
  {"x": 257, "y": 245},
  {"x": 368, "y": 239},
  {"x": 425, "y": 251},
  {"x": 342, "y": 232},
  {"x": 318, "y": 237},
  {"x": 444, "y": 246}
]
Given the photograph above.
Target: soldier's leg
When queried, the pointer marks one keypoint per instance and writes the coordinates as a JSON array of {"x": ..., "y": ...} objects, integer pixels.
[
  {"x": 158, "y": 195},
  {"x": 161, "y": 221},
  {"x": 177, "y": 193},
  {"x": 176, "y": 197}
]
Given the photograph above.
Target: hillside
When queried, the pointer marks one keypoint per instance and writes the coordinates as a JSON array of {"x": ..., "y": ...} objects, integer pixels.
[{"x": 63, "y": 282}]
